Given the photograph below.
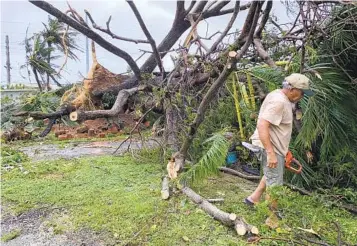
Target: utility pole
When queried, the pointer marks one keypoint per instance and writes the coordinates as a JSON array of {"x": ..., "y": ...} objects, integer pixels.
[
  {"x": 8, "y": 67},
  {"x": 87, "y": 51}
]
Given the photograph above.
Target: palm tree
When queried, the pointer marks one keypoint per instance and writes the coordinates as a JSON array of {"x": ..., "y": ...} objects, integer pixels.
[
  {"x": 56, "y": 33},
  {"x": 35, "y": 60}
]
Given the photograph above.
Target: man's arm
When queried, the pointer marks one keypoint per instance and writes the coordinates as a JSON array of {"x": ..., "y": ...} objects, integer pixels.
[{"x": 264, "y": 136}]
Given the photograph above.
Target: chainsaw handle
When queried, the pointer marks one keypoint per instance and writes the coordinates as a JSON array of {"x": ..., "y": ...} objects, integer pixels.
[{"x": 289, "y": 167}]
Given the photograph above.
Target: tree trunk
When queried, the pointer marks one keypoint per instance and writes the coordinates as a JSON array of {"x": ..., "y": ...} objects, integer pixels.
[
  {"x": 48, "y": 62},
  {"x": 37, "y": 79},
  {"x": 121, "y": 100},
  {"x": 178, "y": 28},
  {"x": 171, "y": 136}
]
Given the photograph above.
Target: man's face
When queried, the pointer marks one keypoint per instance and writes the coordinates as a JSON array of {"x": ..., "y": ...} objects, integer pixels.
[{"x": 296, "y": 94}]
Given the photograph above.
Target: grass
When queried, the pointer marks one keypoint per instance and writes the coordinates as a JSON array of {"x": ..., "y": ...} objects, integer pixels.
[
  {"x": 11, "y": 235},
  {"x": 120, "y": 198}
]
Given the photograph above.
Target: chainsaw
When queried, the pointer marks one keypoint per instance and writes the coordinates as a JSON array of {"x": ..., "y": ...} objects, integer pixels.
[
  {"x": 291, "y": 163},
  {"x": 290, "y": 160}
]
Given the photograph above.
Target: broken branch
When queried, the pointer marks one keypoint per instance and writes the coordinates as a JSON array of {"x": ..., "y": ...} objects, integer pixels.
[
  {"x": 148, "y": 35},
  {"x": 230, "y": 24},
  {"x": 239, "y": 174},
  {"x": 108, "y": 31},
  {"x": 232, "y": 219},
  {"x": 89, "y": 33}
]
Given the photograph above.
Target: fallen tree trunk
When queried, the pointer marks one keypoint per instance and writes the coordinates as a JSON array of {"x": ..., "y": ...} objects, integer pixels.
[
  {"x": 239, "y": 174},
  {"x": 66, "y": 110},
  {"x": 232, "y": 219},
  {"x": 120, "y": 101}
]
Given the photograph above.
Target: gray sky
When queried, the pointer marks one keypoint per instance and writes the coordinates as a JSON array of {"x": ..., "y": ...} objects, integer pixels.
[{"x": 16, "y": 16}]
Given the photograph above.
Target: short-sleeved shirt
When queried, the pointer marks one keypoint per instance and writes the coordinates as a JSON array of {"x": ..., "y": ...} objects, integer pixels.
[{"x": 277, "y": 109}]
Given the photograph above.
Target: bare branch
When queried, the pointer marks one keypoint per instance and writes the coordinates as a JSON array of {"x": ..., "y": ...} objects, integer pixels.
[
  {"x": 262, "y": 52},
  {"x": 218, "y": 7},
  {"x": 190, "y": 7},
  {"x": 148, "y": 35},
  {"x": 199, "y": 8},
  {"x": 230, "y": 24},
  {"x": 226, "y": 11},
  {"x": 209, "y": 5},
  {"x": 276, "y": 25},
  {"x": 76, "y": 16},
  {"x": 180, "y": 25},
  {"x": 247, "y": 27},
  {"x": 264, "y": 20},
  {"x": 108, "y": 31},
  {"x": 89, "y": 33}
]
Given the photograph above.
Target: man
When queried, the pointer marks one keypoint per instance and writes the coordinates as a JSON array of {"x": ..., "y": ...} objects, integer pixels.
[{"x": 273, "y": 132}]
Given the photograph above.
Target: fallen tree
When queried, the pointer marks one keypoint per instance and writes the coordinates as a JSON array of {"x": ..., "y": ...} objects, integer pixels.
[{"x": 198, "y": 78}]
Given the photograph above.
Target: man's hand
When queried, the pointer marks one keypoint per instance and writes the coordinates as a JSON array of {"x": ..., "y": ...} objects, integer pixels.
[{"x": 272, "y": 161}]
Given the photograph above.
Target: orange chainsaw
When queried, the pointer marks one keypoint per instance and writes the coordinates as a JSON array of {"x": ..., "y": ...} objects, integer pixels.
[{"x": 290, "y": 160}]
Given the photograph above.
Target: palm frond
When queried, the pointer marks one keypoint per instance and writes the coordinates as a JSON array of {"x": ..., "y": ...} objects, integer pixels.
[
  {"x": 210, "y": 161},
  {"x": 329, "y": 116},
  {"x": 271, "y": 77}
]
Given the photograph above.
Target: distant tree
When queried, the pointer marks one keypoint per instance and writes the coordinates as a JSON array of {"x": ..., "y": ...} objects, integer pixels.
[
  {"x": 58, "y": 35},
  {"x": 40, "y": 49}
]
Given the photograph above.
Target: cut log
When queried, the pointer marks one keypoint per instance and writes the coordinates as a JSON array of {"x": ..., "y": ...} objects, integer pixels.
[
  {"x": 239, "y": 174},
  {"x": 165, "y": 192},
  {"x": 73, "y": 116},
  {"x": 232, "y": 54},
  {"x": 232, "y": 220},
  {"x": 65, "y": 110}
]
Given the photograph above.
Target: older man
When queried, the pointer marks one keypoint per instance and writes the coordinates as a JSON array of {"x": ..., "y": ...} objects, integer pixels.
[{"x": 273, "y": 132}]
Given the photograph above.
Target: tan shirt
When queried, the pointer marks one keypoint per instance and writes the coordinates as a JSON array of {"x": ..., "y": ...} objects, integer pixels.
[{"x": 277, "y": 109}]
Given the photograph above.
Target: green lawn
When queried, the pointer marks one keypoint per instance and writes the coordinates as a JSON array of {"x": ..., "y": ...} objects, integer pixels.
[{"x": 120, "y": 198}]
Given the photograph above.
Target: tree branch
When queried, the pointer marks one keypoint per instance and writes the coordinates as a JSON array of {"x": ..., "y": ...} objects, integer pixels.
[
  {"x": 108, "y": 31},
  {"x": 180, "y": 25},
  {"x": 233, "y": 57},
  {"x": 148, "y": 36},
  {"x": 239, "y": 224},
  {"x": 264, "y": 20},
  {"x": 263, "y": 53},
  {"x": 89, "y": 33},
  {"x": 230, "y": 24},
  {"x": 220, "y": 5},
  {"x": 190, "y": 7},
  {"x": 227, "y": 11}
]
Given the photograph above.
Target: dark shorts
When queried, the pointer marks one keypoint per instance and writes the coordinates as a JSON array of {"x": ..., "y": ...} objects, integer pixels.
[{"x": 274, "y": 176}]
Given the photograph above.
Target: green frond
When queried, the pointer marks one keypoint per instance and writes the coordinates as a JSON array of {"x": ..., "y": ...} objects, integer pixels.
[
  {"x": 271, "y": 77},
  {"x": 329, "y": 116},
  {"x": 210, "y": 162}
]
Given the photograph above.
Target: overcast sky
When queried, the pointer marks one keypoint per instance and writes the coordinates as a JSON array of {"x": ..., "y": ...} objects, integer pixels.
[{"x": 17, "y": 16}]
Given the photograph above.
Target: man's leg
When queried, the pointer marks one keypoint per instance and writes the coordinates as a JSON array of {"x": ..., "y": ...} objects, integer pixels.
[{"x": 256, "y": 195}]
